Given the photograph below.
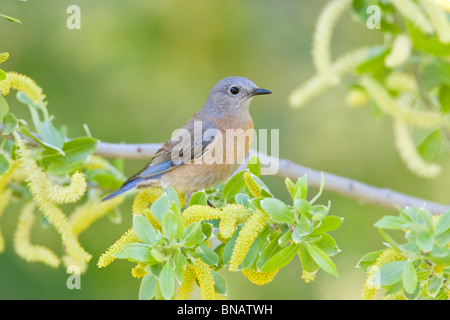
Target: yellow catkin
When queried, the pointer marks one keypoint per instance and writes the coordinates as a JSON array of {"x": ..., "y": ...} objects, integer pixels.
[
  {"x": 199, "y": 213},
  {"x": 108, "y": 257},
  {"x": 410, "y": 10},
  {"x": 156, "y": 223},
  {"x": 259, "y": 278},
  {"x": 385, "y": 257},
  {"x": 4, "y": 56},
  {"x": 9, "y": 175},
  {"x": 184, "y": 291},
  {"x": 326, "y": 22},
  {"x": 308, "y": 276},
  {"x": 252, "y": 185},
  {"x": 22, "y": 245},
  {"x": 319, "y": 83},
  {"x": 410, "y": 156},
  {"x": 143, "y": 198},
  {"x": 438, "y": 19},
  {"x": 139, "y": 270},
  {"x": 68, "y": 194},
  {"x": 419, "y": 118},
  {"x": 401, "y": 82},
  {"x": 400, "y": 52},
  {"x": 205, "y": 280},
  {"x": 231, "y": 215},
  {"x": 5, "y": 198},
  {"x": 25, "y": 84},
  {"x": 251, "y": 229},
  {"x": 38, "y": 183},
  {"x": 96, "y": 162},
  {"x": 88, "y": 213},
  {"x": 356, "y": 97}
]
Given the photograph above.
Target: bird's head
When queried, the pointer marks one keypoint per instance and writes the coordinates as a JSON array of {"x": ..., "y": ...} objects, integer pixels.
[{"x": 234, "y": 93}]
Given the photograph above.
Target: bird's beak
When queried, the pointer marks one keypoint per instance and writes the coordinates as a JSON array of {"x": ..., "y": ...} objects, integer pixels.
[{"x": 260, "y": 91}]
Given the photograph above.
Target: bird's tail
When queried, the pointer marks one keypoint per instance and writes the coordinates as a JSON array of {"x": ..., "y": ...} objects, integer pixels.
[{"x": 128, "y": 185}]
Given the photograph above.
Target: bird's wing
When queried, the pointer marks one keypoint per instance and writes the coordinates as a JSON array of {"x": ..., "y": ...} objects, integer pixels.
[{"x": 175, "y": 153}]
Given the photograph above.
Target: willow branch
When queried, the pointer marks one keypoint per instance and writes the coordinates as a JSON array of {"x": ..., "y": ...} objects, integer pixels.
[
  {"x": 383, "y": 197},
  {"x": 350, "y": 188}
]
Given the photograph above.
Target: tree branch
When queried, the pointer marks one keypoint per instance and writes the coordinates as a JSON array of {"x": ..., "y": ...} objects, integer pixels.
[{"x": 383, "y": 197}]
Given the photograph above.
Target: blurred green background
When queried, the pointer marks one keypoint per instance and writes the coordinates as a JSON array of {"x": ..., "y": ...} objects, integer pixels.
[{"x": 139, "y": 69}]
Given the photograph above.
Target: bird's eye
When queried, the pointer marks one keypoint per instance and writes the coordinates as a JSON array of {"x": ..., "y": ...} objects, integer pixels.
[{"x": 234, "y": 90}]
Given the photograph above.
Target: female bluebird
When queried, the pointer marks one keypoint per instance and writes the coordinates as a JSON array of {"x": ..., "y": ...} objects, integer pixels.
[{"x": 210, "y": 146}]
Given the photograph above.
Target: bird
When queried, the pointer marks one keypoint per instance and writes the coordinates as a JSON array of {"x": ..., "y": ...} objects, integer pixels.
[{"x": 209, "y": 148}]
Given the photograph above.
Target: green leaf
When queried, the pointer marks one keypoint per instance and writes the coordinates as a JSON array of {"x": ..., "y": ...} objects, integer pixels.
[
  {"x": 301, "y": 188},
  {"x": 144, "y": 229},
  {"x": 254, "y": 165},
  {"x": 2, "y": 76},
  {"x": 172, "y": 195},
  {"x": 368, "y": 259},
  {"x": 302, "y": 229},
  {"x": 308, "y": 263},
  {"x": 220, "y": 284},
  {"x": 147, "y": 290},
  {"x": 269, "y": 251},
  {"x": 389, "y": 239},
  {"x": 277, "y": 210},
  {"x": 167, "y": 281},
  {"x": 443, "y": 224},
  {"x": 9, "y": 123},
  {"x": 444, "y": 97},
  {"x": 228, "y": 250},
  {"x": 180, "y": 265},
  {"x": 322, "y": 259},
  {"x": 409, "y": 277},
  {"x": 11, "y": 19},
  {"x": 198, "y": 198},
  {"x": 427, "y": 44},
  {"x": 51, "y": 149},
  {"x": 242, "y": 199},
  {"x": 4, "y": 108},
  {"x": 4, "y": 164},
  {"x": 390, "y": 222},
  {"x": 207, "y": 255},
  {"x": 322, "y": 183},
  {"x": 329, "y": 223},
  {"x": 434, "y": 285},
  {"x": 23, "y": 98},
  {"x": 75, "y": 150},
  {"x": 233, "y": 186},
  {"x": 51, "y": 135},
  {"x": 255, "y": 249},
  {"x": 375, "y": 61},
  {"x": 425, "y": 241},
  {"x": 170, "y": 224},
  {"x": 431, "y": 145},
  {"x": 192, "y": 234},
  {"x": 389, "y": 273},
  {"x": 160, "y": 207},
  {"x": 327, "y": 244},
  {"x": 280, "y": 259},
  {"x": 136, "y": 251}
]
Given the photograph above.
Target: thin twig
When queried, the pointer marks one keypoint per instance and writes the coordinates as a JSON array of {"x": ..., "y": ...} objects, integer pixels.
[
  {"x": 383, "y": 197},
  {"x": 362, "y": 192}
]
